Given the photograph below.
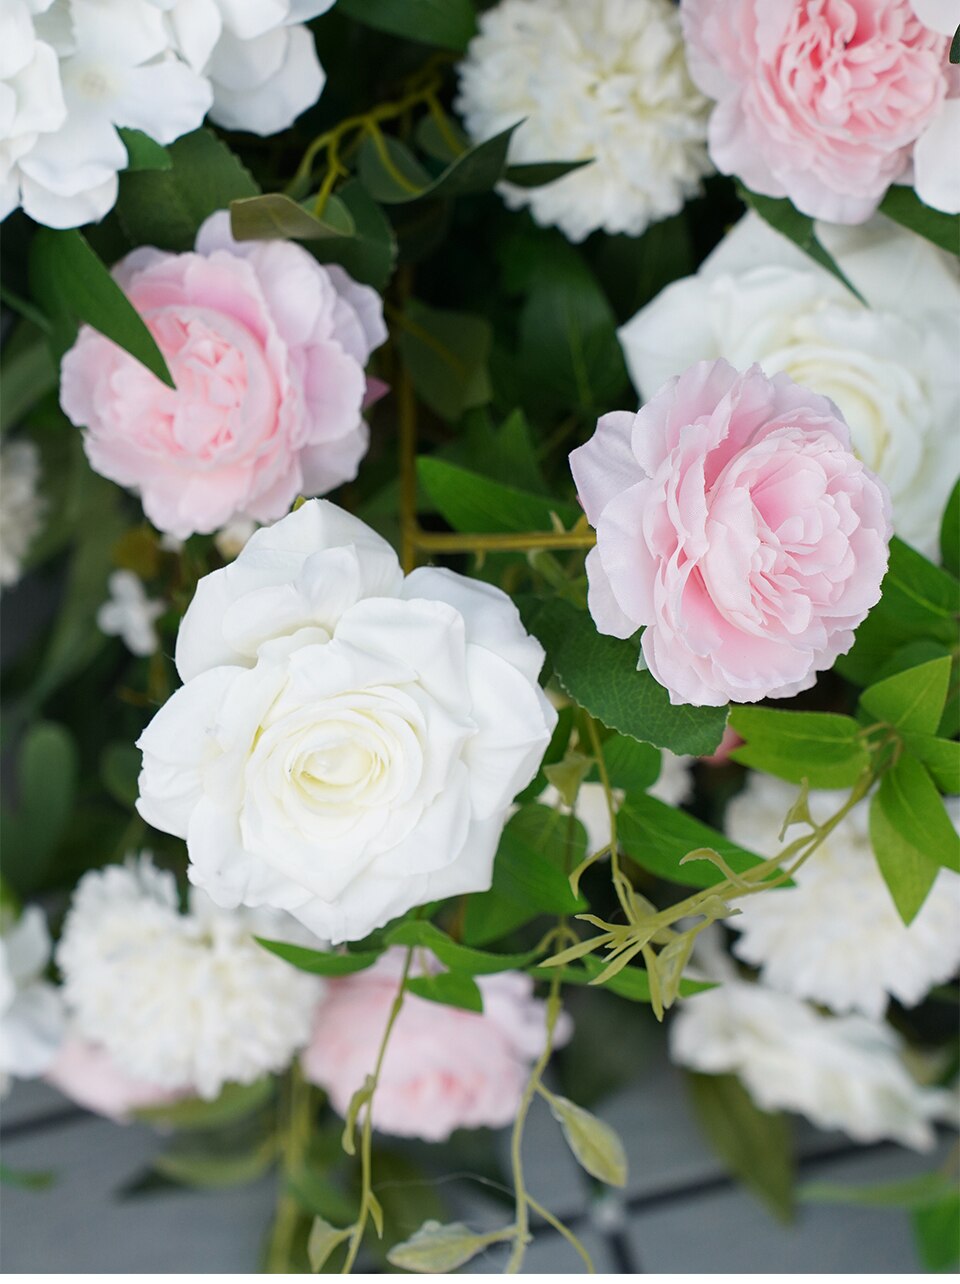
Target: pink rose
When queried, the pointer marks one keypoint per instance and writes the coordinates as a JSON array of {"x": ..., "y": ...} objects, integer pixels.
[
  {"x": 267, "y": 349},
  {"x": 88, "y": 1075},
  {"x": 735, "y": 522},
  {"x": 818, "y": 100},
  {"x": 445, "y": 1068}
]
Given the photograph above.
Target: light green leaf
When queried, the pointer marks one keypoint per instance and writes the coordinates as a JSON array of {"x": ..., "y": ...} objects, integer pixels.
[
  {"x": 820, "y": 747},
  {"x": 656, "y": 837},
  {"x": 910, "y": 1192},
  {"x": 461, "y": 958},
  {"x": 320, "y": 962},
  {"x": 940, "y": 757},
  {"x": 455, "y": 989},
  {"x": 595, "y": 1145},
  {"x": 755, "y": 1146},
  {"x": 362, "y": 1097},
  {"x": 911, "y": 833},
  {"x": 600, "y": 673},
  {"x": 322, "y": 1241},
  {"x": 936, "y": 1234},
  {"x": 913, "y": 700},
  {"x": 470, "y": 502},
  {"x": 273, "y": 215},
  {"x": 446, "y": 354},
  {"x": 447, "y": 23},
  {"x": 72, "y": 284},
  {"x": 213, "y": 1171},
  {"x": 438, "y": 1250}
]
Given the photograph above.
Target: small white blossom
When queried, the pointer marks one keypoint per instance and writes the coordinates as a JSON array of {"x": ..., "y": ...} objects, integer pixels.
[
  {"x": 182, "y": 1001},
  {"x": 31, "y": 1013},
  {"x": 841, "y": 1072},
  {"x": 21, "y": 509},
  {"x": 603, "y": 80},
  {"x": 232, "y": 539},
  {"x": 836, "y": 937},
  {"x": 130, "y": 615}
]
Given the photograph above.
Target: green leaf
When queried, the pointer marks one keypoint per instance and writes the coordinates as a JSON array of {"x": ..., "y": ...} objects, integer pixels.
[
  {"x": 820, "y": 747},
  {"x": 904, "y": 206},
  {"x": 461, "y": 958},
  {"x": 73, "y": 285},
  {"x": 27, "y": 377},
  {"x": 446, "y": 354},
  {"x": 47, "y": 773},
  {"x": 786, "y": 219},
  {"x": 236, "y": 1101},
  {"x": 166, "y": 207},
  {"x": 913, "y": 700},
  {"x": 755, "y": 1146},
  {"x": 26, "y": 1180},
  {"x": 273, "y": 215},
  {"x": 456, "y": 989},
  {"x": 631, "y": 983},
  {"x": 600, "y": 673},
  {"x": 540, "y": 173},
  {"x": 950, "y": 533},
  {"x": 910, "y": 1192},
  {"x": 392, "y": 174},
  {"x": 937, "y": 1235},
  {"x": 320, "y": 962},
  {"x": 911, "y": 834},
  {"x": 438, "y": 1250},
  {"x": 470, "y": 502},
  {"x": 955, "y": 47},
  {"x": 940, "y": 757},
  {"x": 449, "y": 24},
  {"x": 630, "y": 763},
  {"x": 322, "y": 1241},
  {"x": 215, "y": 1171},
  {"x": 595, "y": 1145},
  {"x": 370, "y": 254},
  {"x": 143, "y": 152},
  {"x": 656, "y": 837}
]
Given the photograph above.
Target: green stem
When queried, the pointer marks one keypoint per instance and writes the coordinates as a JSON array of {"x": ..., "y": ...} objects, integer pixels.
[{"x": 296, "y": 1139}]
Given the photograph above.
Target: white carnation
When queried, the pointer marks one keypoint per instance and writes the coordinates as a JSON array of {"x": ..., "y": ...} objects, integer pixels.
[
  {"x": 130, "y": 615},
  {"x": 21, "y": 508},
  {"x": 836, "y": 937},
  {"x": 31, "y": 1013},
  {"x": 604, "y": 80},
  {"x": 259, "y": 58},
  {"x": 348, "y": 741},
  {"x": 188, "y": 1002},
  {"x": 841, "y": 1072},
  {"x": 891, "y": 366}
]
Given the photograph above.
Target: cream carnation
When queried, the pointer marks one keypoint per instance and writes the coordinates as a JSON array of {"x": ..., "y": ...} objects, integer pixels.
[
  {"x": 31, "y": 1011},
  {"x": 21, "y": 508},
  {"x": 891, "y": 366},
  {"x": 183, "y": 1001},
  {"x": 836, "y": 937},
  {"x": 841, "y": 1072},
  {"x": 445, "y": 1068},
  {"x": 348, "y": 741},
  {"x": 599, "y": 80}
]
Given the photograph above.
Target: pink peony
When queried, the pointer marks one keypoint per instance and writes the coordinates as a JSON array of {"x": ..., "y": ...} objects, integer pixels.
[
  {"x": 735, "y": 522},
  {"x": 818, "y": 100},
  {"x": 267, "y": 350},
  {"x": 445, "y": 1068},
  {"x": 88, "y": 1075}
]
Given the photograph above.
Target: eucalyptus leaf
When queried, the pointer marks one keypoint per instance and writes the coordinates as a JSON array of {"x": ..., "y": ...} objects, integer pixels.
[
  {"x": 595, "y": 1145},
  {"x": 322, "y": 1241},
  {"x": 447, "y": 23},
  {"x": 273, "y": 215},
  {"x": 392, "y": 174}
]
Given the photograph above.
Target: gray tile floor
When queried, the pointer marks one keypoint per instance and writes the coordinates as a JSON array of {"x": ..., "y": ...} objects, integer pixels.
[{"x": 679, "y": 1213}]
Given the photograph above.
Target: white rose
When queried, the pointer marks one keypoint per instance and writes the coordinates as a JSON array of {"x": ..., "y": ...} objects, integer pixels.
[
  {"x": 348, "y": 741},
  {"x": 891, "y": 367}
]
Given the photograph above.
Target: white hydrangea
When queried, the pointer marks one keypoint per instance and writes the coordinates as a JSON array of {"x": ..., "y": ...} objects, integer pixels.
[
  {"x": 591, "y": 79},
  {"x": 31, "y": 98},
  {"x": 890, "y": 366},
  {"x": 843, "y": 1072},
  {"x": 185, "y": 1001},
  {"x": 31, "y": 1012},
  {"x": 21, "y": 508},
  {"x": 836, "y": 937},
  {"x": 130, "y": 615},
  {"x": 260, "y": 59}
]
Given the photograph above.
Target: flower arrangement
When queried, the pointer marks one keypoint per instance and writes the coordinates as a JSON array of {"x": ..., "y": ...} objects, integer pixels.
[{"x": 489, "y": 471}]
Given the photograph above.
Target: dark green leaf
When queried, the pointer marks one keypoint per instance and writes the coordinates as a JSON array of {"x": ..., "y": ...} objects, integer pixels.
[
  {"x": 950, "y": 533},
  {"x": 470, "y": 502},
  {"x": 447, "y": 23},
  {"x": 904, "y": 206},
  {"x": 461, "y": 958},
  {"x": 391, "y": 173},
  {"x": 913, "y": 700},
  {"x": 446, "y": 354},
  {"x": 444, "y": 141},
  {"x": 540, "y": 173},
  {"x": 143, "y": 152},
  {"x": 215, "y": 1171},
  {"x": 656, "y": 837},
  {"x": 955, "y": 47},
  {"x": 120, "y": 764},
  {"x": 456, "y": 989},
  {"x": 600, "y": 673},
  {"x": 937, "y": 1232},
  {"x": 27, "y": 377},
  {"x": 755, "y": 1146},
  {"x": 820, "y": 747},
  {"x": 73, "y": 285},
  {"x": 786, "y": 219},
  {"x": 370, "y": 253},
  {"x": 910, "y": 1192},
  {"x": 47, "y": 773},
  {"x": 320, "y": 962},
  {"x": 273, "y": 215}
]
